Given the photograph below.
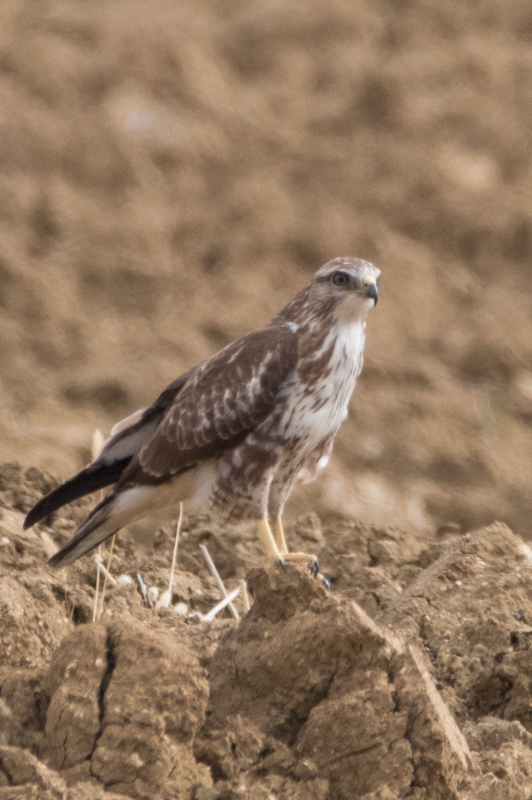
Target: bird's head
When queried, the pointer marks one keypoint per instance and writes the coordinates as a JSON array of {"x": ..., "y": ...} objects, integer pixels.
[
  {"x": 345, "y": 287},
  {"x": 350, "y": 283}
]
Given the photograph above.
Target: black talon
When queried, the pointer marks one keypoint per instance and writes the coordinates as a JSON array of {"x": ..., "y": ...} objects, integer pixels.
[
  {"x": 325, "y": 583},
  {"x": 281, "y": 564},
  {"x": 314, "y": 569}
]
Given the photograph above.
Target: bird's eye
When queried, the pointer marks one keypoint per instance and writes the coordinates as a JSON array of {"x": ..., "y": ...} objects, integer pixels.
[{"x": 340, "y": 278}]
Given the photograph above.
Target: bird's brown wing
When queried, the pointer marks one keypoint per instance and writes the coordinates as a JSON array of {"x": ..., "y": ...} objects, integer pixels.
[
  {"x": 127, "y": 438},
  {"x": 224, "y": 399}
]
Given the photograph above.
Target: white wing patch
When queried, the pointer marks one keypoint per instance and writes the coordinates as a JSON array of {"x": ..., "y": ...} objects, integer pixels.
[
  {"x": 127, "y": 422},
  {"x": 127, "y": 445}
]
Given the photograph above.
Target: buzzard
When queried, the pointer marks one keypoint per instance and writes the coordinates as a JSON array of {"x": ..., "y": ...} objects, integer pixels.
[{"x": 235, "y": 433}]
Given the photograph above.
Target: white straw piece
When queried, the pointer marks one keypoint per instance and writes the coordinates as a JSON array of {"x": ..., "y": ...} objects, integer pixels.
[
  {"x": 98, "y": 557},
  {"x": 164, "y": 600},
  {"x": 97, "y": 444},
  {"x": 105, "y": 572},
  {"x": 174, "y": 557},
  {"x": 214, "y": 572},
  {"x": 222, "y": 604},
  {"x": 245, "y": 595}
]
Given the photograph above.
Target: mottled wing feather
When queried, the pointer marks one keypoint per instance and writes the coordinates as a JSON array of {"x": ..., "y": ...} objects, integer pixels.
[
  {"x": 127, "y": 438},
  {"x": 224, "y": 398},
  {"x": 131, "y": 434}
]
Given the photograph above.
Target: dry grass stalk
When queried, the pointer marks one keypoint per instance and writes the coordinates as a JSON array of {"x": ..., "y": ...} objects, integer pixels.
[
  {"x": 70, "y": 611},
  {"x": 166, "y": 597},
  {"x": 97, "y": 444},
  {"x": 94, "y": 610},
  {"x": 105, "y": 572},
  {"x": 107, "y": 575},
  {"x": 227, "y": 601},
  {"x": 174, "y": 556},
  {"x": 247, "y": 604},
  {"x": 216, "y": 576}
]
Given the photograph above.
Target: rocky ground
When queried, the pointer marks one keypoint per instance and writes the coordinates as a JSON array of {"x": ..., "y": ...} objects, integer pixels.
[{"x": 411, "y": 678}]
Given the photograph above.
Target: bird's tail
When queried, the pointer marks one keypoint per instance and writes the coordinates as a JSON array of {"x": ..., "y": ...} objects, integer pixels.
[
  {"x": 114, "y": 511},
  {"x": 95, "y": 476}
]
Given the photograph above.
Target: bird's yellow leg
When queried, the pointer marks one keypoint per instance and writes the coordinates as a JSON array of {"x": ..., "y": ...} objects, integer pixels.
[
  {"x": 305, "y": 559},
  {"x": 278, "y": 533},
  {"x": 268, "y": 540}
]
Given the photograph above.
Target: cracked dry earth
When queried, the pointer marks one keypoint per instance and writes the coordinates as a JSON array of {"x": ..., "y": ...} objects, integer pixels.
[{"x": 410, "y": 679}]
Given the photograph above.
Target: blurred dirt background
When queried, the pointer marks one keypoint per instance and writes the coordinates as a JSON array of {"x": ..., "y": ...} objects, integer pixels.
[{"x": 172, "y": 173}]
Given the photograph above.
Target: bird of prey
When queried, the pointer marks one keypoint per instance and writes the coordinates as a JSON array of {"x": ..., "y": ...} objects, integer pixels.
[{"x": 235, "y": 433}]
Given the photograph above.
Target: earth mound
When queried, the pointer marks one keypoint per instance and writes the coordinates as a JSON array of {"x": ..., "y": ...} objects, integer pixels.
[{"x": 410, "y": 679}]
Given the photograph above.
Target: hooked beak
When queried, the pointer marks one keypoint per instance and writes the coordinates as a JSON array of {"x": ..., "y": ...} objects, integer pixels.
[{"x": 370, "y": 288}]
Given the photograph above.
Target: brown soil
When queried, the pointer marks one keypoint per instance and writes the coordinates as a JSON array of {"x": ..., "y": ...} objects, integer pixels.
[
  {"x": 412, "y": 678},
  {"x": 170, "y": 175}
]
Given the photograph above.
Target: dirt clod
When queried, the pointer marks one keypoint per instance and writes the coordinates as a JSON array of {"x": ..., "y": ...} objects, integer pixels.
[
  {"x": 315, "y": 673},
  {"x": 423, "y": 695},
  {"x": 124, "y": 707}
]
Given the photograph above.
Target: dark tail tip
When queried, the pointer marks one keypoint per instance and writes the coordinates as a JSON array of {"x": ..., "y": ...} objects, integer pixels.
[
  {"x": 54, "y": 562},
  {"x": 89, "y": 480},
  {"x": 46, "y": 506},
  {"x": 88, "y": 536},
  {"x": 61, "y": 558},
  {"x": 32, "y": 517}
]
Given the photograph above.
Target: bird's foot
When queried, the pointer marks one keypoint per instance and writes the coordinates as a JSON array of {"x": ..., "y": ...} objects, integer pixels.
[
  {"x": 306, "y": 561},
  {"x": 310, "y": 562}
]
